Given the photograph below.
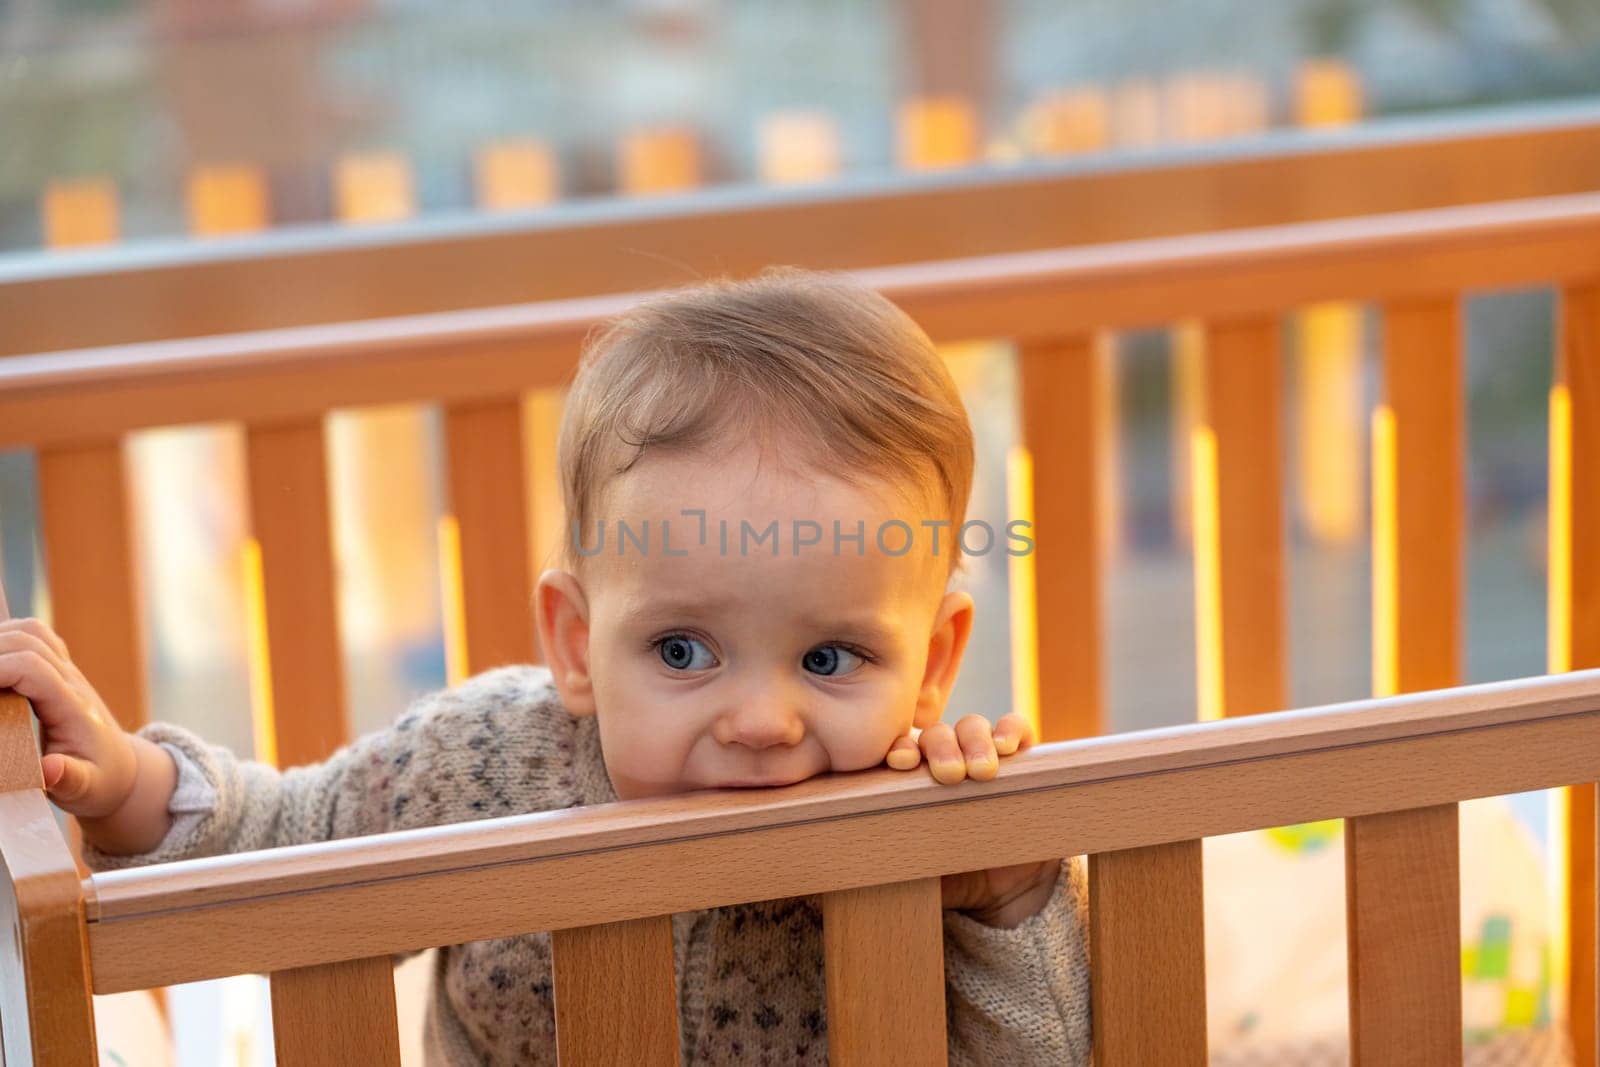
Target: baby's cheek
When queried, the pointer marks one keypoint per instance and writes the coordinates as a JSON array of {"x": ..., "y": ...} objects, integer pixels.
[{"x": 861, "y": 741}]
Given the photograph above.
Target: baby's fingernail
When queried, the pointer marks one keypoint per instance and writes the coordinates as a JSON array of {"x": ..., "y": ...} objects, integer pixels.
[
  {"x": 979, "y": 758},
  {"x": 948, "y": 768}
]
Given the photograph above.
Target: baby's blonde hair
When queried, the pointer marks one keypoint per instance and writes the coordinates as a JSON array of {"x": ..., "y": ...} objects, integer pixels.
[{"x": 815, "y": 361}]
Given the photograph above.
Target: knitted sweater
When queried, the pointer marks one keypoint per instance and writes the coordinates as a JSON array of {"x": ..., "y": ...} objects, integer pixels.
[{"x": 750, "y": 976}]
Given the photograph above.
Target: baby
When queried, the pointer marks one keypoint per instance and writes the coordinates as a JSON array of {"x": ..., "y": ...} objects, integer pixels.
[{"x": 764, "y": 482}]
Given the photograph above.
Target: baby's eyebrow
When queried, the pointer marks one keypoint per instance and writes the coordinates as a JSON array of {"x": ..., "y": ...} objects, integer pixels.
[{"x": 866, "y": 630}]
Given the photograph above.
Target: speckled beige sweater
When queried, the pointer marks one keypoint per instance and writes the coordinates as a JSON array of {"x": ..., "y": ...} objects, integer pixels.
[{"x": 750, "y": 976}]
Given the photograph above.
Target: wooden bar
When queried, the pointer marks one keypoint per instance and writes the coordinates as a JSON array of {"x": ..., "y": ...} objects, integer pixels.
[
  {"x": 616, "y": 998},
  {"x": 484, "y": 354},
  {"x": 536, "y": 872},
  {"x": 335, "y": 1014},
  {"x": 485, "y": 449},
  {"x": 1056, "y": 392},
  {"x": 884, "y": 957},
  {"x": 1387, "y": 166},
  {"x": 1574, "y": 622},
  {"x": 290, "y": 517},
  {"x": 46, "y": 1010},
  {"x": 1147, "y": 960},
  {"x": 1403, "y": 923},
  {"x": 87, "y": 528},
  {"x": 1419, "y": 472},
  {"x": 1239, "y": 565}
]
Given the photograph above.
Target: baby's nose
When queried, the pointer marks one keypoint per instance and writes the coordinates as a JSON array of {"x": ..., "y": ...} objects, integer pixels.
[{"x": 761, "y": 721}]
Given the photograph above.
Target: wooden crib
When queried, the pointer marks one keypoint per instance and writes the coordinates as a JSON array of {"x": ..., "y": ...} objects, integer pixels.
[
  {"x": 391, "y": 319},
  {"x": 322, "y": 919}
]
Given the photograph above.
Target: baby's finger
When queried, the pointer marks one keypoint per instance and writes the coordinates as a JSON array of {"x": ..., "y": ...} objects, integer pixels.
[
  {"x": 30, "y": 673},
  {"x": 1012, "y": 733},
  {"x": 904, "y": 755},
  {"x": 973, "y": 733},
  {"x": 35, "y": 628},
  {"x": 66, "y": 779},
  {"x": 943, "y": 753}
]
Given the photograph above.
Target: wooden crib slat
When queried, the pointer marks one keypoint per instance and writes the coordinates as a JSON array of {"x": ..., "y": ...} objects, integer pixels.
[
  {"x": 335, "y": 1014},
  {"x": 884, "y": 960},
  {"x": 484, "y": 444},
  {"x": 46, "y": 1010},
  {"x": 1403, "y": 924},
  {"x": 1057, "y": 394},
  {"x": 1239, "y": 578},
  {"x": 1574, "y": 606},
  {"x": 1147, "y": 955},
  {"x": 616, "y": 998},
  {"x": 290, "y": 517},
  {"x": 48, "y": 1005},
  {"x": 1419, "y": 469},
  {"x": 86, "y": 523}
]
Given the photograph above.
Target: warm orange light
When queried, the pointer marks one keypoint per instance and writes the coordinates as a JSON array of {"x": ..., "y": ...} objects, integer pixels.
[
  {"x": 1558, "y": 659},
  {"x": 1385, "y": 555},
  {"x": 263, "y": 722},
  {"x": 1024, "y": 592},
  {"x": 1207, "y": 573},
  {"x": 453, "y": 601}
]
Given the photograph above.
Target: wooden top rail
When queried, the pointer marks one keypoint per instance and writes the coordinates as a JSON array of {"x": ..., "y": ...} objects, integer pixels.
[
  {"x": 149, "y": 291},
  {"x": 361, "y": 897},
  {"x": 490, "y": 353}
]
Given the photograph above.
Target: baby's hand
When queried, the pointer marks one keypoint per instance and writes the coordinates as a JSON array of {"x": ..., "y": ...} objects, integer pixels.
[
  {"x": 89, "y": 763},
  {"x": 1000, "y": 896},
  {"x": 970, "y": 749}
]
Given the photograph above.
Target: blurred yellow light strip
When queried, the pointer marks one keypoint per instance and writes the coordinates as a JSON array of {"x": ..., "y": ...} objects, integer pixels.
[
  {"x": 1385, "y": 555},
  {"x": 262, "y": 719},
  {"x": 1207, "y": 573},
  {"x": 453, "y": 600},
  {"x": 1024, "y": 591},
  {"x": 1559, "y": 654},
  {"x": 1559, "y": 659}
]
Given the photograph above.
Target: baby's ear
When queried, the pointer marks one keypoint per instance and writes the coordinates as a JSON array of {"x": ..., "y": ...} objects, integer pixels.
[
  {"x": 952, "y": 625},
  {"x": 561, "y": 614}
]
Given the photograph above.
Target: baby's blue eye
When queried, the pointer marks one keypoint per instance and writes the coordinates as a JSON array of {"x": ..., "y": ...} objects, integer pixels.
[
  {"x": 678, "y": 652},
  {"x": 832, "y": 659}
]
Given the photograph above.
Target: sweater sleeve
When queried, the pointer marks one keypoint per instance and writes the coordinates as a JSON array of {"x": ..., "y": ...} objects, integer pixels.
[
  {"x": 455, "y": 755},
  {"x": 1021, "y": 995}
]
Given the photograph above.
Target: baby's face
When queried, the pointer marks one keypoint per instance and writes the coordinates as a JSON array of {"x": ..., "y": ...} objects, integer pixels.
[{"x": 721, "y": 668}]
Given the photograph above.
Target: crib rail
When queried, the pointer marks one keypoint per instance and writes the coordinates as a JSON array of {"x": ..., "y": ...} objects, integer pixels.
[
  {"x": 324, "y": 918},
  {"x": 163, "y": 290}
]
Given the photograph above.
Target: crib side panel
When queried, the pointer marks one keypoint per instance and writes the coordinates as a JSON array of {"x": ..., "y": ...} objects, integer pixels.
[
  {"x": 1147, "y": 955},
  {"x": 1057, "y": 399},
  {"x": 487, "y": 486},
  {"x": 1403, "y": 904},
  {"x": 883, "y": 947},
  {"x": 87, "y": 527},
  {"x": 1239, "y": 553},
  {"x": 46, "y": 1011},
  {"x": 335, "y": 1014},
  {"x": 1574, "y": 609},
  {"x": 290, "y": 517},
  {"x": 616, "y": 1001}
]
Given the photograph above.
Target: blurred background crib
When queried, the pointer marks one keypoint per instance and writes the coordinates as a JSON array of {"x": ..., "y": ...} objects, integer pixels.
[{"x": 1302, "y": 408}]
